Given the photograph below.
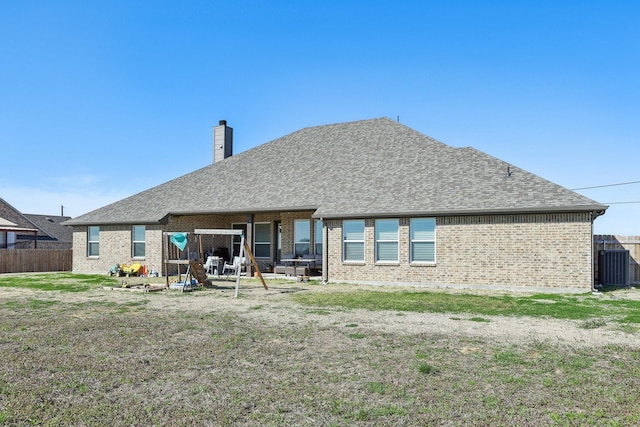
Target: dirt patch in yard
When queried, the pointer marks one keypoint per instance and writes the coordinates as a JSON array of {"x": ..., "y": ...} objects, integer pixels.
[{"x": 274, "y": 307}]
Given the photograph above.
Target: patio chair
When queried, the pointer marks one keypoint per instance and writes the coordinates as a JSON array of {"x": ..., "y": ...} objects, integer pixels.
[
  {"x": 233, "y": 267},
  {"x": 211, "y": 265}
]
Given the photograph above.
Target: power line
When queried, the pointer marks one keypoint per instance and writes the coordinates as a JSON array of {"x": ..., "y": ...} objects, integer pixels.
[
  {"x": 620, "y": 203},
  {"x": 606, "y": 185}
]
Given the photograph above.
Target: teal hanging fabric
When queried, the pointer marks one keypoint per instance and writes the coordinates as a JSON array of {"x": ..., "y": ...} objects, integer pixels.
[{"x": 180, "y": 240}]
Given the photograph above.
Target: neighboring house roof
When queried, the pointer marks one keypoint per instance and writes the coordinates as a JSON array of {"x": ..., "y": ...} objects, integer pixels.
[
  {"x": 7, "y": 223},
  {"x": 12, "y": 220},
  {"x": 51, "y": 225},
  {"x": 48, "y": 227},
  {"x": 364, "y": 168},
  {"x": 9, "y": 226}
]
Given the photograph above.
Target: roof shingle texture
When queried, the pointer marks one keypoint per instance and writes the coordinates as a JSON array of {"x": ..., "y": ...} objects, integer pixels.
[
  {"x": 372, "y": 167},
  {"x": 52, "y": 226}
]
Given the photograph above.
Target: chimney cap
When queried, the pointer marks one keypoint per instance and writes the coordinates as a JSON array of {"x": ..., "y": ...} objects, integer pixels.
[{"x": 223, "y": 123}]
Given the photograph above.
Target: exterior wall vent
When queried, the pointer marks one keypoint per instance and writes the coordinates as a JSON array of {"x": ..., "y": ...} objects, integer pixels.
[{"x": 613, "y": 267}]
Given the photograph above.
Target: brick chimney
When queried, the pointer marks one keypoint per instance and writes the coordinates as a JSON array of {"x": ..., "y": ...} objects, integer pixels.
[{"x": 222, "y": 141}]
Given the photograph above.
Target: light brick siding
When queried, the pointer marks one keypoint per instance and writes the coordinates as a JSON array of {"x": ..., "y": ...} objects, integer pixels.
[
  {"x": 116, "y": 248},
  {"x": 542, "y": 250}
]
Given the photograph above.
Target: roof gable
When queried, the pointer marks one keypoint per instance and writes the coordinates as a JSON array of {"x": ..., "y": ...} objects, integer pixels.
[
  {"x": 12, "y": 218},
  {"x": 7, "y": 223}
]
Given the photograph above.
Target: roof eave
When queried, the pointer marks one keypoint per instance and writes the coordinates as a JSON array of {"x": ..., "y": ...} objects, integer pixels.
[
  {"x": 596, "y": 209},
  {"x": 19, "y": 229},
  {"x": 246, "y": 211},
  {"x": 113, "y": 222},
  {"x": 75, "y": 222}
]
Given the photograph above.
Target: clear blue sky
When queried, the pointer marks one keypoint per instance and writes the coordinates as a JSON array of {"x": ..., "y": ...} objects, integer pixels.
[{"x": 100, "y": 100}]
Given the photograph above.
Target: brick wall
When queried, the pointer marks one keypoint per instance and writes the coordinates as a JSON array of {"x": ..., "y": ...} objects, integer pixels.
[
  {"x": 115, "y": 240},
  {"x": 542, "y": 250},
  {"x": 116, "y": 248}
]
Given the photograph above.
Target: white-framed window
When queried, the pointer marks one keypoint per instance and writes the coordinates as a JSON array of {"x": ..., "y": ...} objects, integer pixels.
[
  {"x": 317, "y": 237},
  {"x": 387, "y": 247},
  {"x": 423, "y": 239},
  {"x": 262, "y": 240},
  {"x": 93, "y": 240},
  {"x": 301, "y": 237},
  {"x": 353, "y": 240},
  {"x": 138, "y": 241}
]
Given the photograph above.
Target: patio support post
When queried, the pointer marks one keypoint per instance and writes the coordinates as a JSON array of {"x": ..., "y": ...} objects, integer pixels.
[{"x": 249, "y": 240}]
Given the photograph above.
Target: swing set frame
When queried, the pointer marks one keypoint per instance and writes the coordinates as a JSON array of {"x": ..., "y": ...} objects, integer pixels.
[{"x": 198, "y": 233}]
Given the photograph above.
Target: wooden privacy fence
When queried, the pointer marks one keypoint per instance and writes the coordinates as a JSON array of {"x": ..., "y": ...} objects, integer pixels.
[
  {"x": 35, "y": 260},
  {"x": 613, "y": 242}
]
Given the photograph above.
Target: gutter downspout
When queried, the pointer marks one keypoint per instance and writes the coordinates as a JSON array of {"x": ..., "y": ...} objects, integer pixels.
[
  {"x": 325, "y": 253},
  {"x": 593, "y": 258},
  {"x": 593, "y": 215}
]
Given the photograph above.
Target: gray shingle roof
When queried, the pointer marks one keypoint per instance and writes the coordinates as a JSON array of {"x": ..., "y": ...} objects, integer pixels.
[
  {"x": 372, "y": 167},
  {"x": 52, "y": 226}
]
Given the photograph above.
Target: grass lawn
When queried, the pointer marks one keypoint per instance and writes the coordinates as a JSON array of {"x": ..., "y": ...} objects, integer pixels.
[{"x": 73, "y": 355}]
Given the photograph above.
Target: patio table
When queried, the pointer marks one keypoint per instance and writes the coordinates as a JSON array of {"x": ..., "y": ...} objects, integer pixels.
[{"x": 295, "y": 262}]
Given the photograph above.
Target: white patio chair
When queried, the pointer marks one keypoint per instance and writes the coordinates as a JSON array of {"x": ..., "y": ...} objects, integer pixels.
[
  {"x": 211, "y": 265},
  {"x": 229, "y": 268}
]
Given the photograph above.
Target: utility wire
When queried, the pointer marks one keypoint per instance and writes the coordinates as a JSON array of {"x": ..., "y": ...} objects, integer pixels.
[
  {"x": 612, "y": 185},
  {"x": 620, "y": 203},
  {"x": 606, "y": 185}
]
